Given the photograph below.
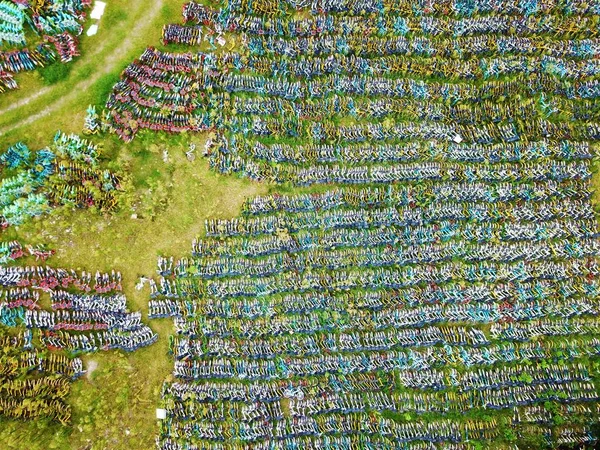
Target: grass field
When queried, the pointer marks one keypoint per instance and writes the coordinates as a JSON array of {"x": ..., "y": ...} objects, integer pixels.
[
  {"x": 123, "y": 392},
  {"x": 115, "y": 407}
]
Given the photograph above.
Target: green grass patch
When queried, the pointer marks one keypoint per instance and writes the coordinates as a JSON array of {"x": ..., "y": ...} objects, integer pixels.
[
  {"x": 103, "y": 87},
  {"x": 114, "y": 16},
  {"x": 55, "y": 72}
]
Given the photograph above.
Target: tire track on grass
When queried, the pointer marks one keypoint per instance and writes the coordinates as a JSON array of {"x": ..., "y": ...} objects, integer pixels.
[
  {"x": 47, "y": 89},
  {"x": 109, "y": 65}
]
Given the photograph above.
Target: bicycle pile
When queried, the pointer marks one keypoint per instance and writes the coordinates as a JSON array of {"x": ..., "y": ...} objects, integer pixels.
[
  {"x": 13, "y": 250},
  {"x": 56, "y": 22},
  {"x": 304, "y": 320},
  {"x": 394, "y": 76},
  {"x": 34, "y": 383},
  {"x": 458, "y": 302},
  {"x": 65, "y": 173},
  {"x": 85, "y": 317},
  {"x": 38, "y": 346}
]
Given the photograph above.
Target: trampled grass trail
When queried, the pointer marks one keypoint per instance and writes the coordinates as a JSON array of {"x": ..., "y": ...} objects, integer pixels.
[
  {"x": 105, "y": 65},
  {"x": 125, "y": 30}
]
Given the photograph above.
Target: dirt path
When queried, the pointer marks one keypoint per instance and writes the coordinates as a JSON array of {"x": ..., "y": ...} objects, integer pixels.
[
  {"x": 111, "y": 61},
  {"x": 25, "y": 101},
  {"x": 45, "y": 90}
]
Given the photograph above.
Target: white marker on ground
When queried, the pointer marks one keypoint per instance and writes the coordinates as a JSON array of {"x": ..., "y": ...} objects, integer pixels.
[
  {"x": 92, "y": 30},
  {"x": 98, "y": 10}
]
